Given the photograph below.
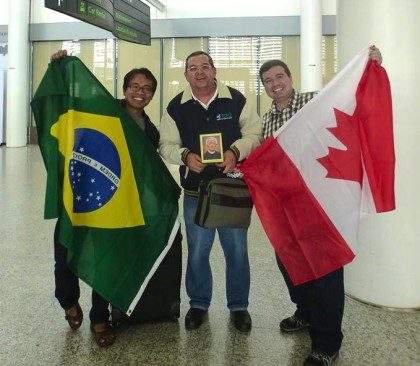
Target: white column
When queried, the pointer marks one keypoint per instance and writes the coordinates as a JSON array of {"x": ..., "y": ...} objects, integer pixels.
[
  {"x": 386, "y": 270},
  {"x": 18, "y": 74},
  {"x": 2, "y": 83},
  {"x": 310, "y": 45},
  {"x": 3, "y": 73}
]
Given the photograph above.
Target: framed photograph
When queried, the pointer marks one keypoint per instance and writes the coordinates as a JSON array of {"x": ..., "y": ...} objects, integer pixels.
[{"x": 211, "y": 148}]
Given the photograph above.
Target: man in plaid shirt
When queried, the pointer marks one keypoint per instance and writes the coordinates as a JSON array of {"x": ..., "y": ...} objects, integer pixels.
[
  {"x": 286, "y": 101},
  {"x": 319, "y": 303}
]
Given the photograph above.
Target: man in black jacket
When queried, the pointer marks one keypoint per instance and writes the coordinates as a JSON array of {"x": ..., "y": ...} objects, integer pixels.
[{"x": 210, "y": 107}]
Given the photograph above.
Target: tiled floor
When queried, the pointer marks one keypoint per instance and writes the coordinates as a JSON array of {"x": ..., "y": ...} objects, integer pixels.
[{"x": 33, "y": 330}]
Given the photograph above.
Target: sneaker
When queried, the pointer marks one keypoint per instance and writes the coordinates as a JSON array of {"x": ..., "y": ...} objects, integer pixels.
[
  {"x": 293, "y": 324},
  {"x": 241, "y": 320},
  {"x": 194, "y": 318},
  {"x": 319, "y": 359}
]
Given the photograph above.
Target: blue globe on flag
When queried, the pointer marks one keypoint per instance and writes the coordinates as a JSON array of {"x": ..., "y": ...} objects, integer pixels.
[{"x": 94, "y": 170}]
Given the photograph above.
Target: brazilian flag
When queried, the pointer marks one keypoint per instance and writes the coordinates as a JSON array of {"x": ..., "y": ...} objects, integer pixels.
[{"x": 116, "y": 202}]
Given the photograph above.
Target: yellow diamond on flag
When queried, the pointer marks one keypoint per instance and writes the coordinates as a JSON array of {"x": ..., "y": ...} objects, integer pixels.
[{"x": 99, "y": 187}]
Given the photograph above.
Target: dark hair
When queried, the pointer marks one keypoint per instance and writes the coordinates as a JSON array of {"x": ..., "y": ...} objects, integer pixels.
[
  {"x": 269, "y": 64},
  {"x": 198, "y": 53},
  {"x": 143, "y": 71}
]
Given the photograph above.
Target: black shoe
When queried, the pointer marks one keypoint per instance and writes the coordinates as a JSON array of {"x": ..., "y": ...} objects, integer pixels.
[
  {"x": 194, "y": 318},
  {"x": 319, "y": 359},
  {"x": 293, "y": 324},
  {"x": 242, "y": 320}
]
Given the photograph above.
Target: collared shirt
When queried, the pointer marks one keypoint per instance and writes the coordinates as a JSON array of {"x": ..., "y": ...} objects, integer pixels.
[
  {"x": 274, "y": 118},
  {"x": 206, "y": 106}
]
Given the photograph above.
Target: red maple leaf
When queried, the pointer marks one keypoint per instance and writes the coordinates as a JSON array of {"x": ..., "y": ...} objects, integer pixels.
[{"x": 344, "y": 164}]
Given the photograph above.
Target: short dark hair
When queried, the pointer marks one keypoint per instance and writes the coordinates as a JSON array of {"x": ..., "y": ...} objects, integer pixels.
[
  {"x": 269, "y": 64},
  {"x": 143, "y": 71},
  {"x": 198, "y": 53}
]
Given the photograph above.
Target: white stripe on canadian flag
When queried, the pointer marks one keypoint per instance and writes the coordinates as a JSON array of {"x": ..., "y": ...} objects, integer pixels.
[{"x": 307, "y": 180}]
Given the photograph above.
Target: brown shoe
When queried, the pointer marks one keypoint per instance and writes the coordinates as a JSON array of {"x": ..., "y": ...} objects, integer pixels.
[
  {"x": 75, "y": 321},
  {"x": 104, "y": 334}
]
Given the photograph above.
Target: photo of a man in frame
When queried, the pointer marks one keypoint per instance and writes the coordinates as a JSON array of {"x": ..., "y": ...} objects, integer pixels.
[{"x": 211, "y": 148}]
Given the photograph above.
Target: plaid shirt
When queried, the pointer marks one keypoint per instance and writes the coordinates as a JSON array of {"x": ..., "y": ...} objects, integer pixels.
[{"x": 274, "y": 118}]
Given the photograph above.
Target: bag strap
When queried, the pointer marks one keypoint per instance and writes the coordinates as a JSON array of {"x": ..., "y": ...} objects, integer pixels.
[{"x": 208, "y": 194}]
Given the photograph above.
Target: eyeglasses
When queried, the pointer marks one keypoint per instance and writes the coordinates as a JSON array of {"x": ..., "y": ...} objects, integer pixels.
[
  {"x": 144, "y": 89},
  {"x": 194, "y": 69}
]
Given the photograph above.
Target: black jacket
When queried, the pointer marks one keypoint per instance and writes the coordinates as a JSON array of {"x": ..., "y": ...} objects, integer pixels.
[{"x": 192, "y": 120}]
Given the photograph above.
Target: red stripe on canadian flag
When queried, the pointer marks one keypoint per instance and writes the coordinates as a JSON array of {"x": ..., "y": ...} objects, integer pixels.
[
  {"x": 374, "y": 111},
  {"x": 310, "y": 181}
]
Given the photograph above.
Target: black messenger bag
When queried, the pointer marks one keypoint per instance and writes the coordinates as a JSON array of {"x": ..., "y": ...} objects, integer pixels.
[{"x": 223, "y": 202}]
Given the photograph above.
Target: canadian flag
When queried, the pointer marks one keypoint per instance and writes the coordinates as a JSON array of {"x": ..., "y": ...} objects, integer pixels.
[{"x": 331, "y": 161}]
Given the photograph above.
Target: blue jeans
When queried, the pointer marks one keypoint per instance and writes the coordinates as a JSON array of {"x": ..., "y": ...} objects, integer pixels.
[{"x": 198, "y": 278}]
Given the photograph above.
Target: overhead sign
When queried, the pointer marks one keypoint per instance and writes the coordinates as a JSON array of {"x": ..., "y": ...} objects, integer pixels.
[{"x": 126, "y": 19}]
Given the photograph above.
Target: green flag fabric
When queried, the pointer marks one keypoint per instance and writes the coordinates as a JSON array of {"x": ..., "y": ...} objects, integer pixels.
[{"x": 116, "y": 202}]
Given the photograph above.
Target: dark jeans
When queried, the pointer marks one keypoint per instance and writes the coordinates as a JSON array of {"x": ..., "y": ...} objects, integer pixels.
[
  {"x": 321, "y": 304},
  {"x": 67, "y": 290}
]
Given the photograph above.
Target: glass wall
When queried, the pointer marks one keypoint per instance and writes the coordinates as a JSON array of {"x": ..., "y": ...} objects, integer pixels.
[
  {"x": 237, "y": 60},
  {"x": 132, "y": 56},
  {"x": 329, "y": 58},
  {"x": 175, "y": 51},
  {"x": 97, "y": 55}
]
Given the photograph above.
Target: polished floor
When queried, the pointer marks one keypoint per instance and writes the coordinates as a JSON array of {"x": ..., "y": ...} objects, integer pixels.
[{"x": 33, "y": 330}]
